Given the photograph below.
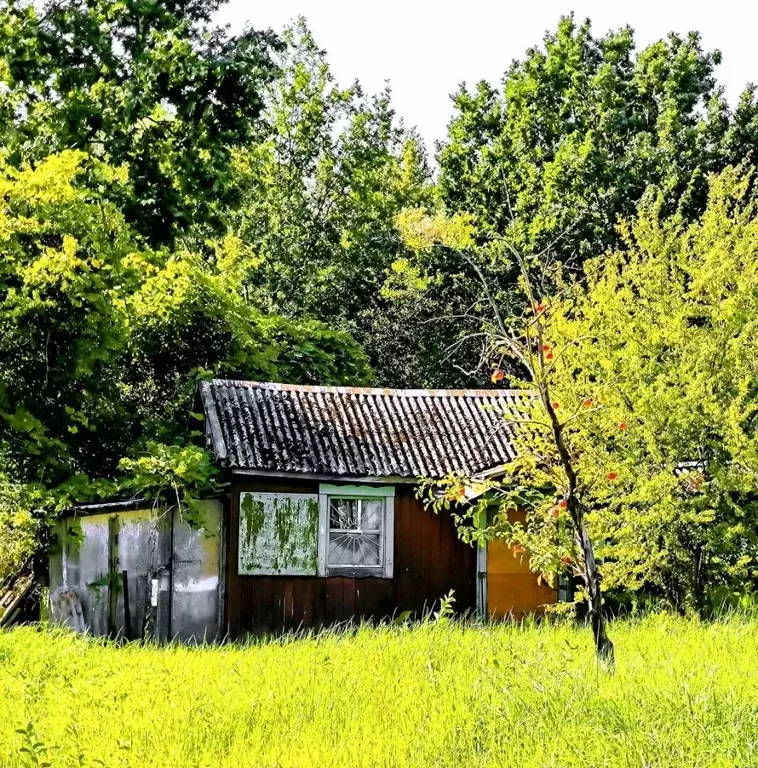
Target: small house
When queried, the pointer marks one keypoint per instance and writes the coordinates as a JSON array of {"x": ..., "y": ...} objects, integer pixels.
[{"x": 317, "y": 520}]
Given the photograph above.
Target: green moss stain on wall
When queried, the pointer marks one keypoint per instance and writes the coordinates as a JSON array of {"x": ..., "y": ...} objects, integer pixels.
[
  {"x": 253, "y": 514},
  {"x": 278, "y": 533},
  {"x": 311, "y": 535},
  {"x": 286, "y": 521},
  {"x": 74, "y": 536},
  {"x": 252, "y": 521}
]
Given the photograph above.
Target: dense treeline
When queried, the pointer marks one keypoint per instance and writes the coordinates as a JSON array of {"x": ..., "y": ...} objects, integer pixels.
[{"x": 181, "y": 202}]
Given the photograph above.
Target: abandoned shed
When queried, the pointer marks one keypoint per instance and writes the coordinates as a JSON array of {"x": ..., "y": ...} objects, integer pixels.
[{"x": 318, "y": 521}]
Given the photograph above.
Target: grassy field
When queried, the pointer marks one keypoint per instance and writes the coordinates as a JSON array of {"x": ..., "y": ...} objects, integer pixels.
[{"x": 685, "y": 694}]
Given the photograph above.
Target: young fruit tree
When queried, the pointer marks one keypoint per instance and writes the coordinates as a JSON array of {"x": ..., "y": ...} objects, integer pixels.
[
  {"x": 555, "y": 478},
  {"x": 664, "y": 330}
]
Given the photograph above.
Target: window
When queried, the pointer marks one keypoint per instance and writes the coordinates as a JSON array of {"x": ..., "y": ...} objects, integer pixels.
[{"x": 356, "y": 525}]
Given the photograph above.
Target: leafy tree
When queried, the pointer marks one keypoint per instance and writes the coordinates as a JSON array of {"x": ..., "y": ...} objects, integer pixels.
[
  {"x": 104, "y": 339},
  {"x": 579, "y": 131},
  {"x": 636, "y": 428},
  {"x": 320, "y": 189},
  {"x": 120, "y": 122},
  {"x": 563, "y": 151},
  {"x": 65, "y": 270},
  {"x": 19, "y": 526},
  {"x": 550, "y": 479},
  {"x": 150, "y": 86},
  {"x": 189, "y": 319},
  {"x": 664, "y": 338}
]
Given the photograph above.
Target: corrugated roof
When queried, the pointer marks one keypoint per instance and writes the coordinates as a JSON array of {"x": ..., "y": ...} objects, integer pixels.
[{"x": 356, "y": 432}]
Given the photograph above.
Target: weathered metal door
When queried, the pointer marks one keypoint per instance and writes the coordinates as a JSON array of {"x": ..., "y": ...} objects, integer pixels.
[{"x": 139, "y": 573}]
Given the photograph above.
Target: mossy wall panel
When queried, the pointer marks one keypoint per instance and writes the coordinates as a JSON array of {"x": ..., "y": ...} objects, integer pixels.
[{"x": 278, "y": 534}]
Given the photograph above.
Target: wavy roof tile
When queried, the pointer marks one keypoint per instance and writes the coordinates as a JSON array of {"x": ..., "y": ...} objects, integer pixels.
[{"x": 356, "y": 432}]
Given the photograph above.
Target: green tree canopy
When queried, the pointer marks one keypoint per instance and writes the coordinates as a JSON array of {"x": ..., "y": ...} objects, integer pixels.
[
  {"x": 640, "y": 409},
  {"x": 102, "y": 341},
  {"x": 664, "y": 338},
  {"x": 319, "y": 192},
  {"x": 124, "y": 275},
  {"x": 581, "y": 127},
  {"x": 149, "y": 85}
]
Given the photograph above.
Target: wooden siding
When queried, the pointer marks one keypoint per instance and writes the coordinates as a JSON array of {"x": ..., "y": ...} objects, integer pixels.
[{"x": 430, "y": 560}]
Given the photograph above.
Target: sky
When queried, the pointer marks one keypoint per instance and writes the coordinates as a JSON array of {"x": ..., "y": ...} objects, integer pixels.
[{"x": 426, "y": 48}]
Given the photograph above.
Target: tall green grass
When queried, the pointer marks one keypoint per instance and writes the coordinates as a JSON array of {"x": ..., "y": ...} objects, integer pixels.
[{"x": 684, "y": 694}]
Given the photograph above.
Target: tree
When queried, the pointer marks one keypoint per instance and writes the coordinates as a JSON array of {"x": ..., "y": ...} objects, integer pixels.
[
  {"x": 636, "y": 430},
  {"x": 562, "y": 152},
  {"x": 19, "y": 527},
  {"x": 550, "y": 479},
  {"x": 319, "y": 191},
  {"x": 665, "y": 330},
  {"x": 120, "y": 122},
  {"x": 103, "y": 339},
  {"x": 150, "y": 86}
]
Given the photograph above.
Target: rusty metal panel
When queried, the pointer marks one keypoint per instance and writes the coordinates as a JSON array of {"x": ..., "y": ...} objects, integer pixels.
[
  {"x": 278, "y": 534},
  {"x": 357, "y": 432},
  {"x": 85, "y": 567},
  {"x": 196, "y": 569},
  {"x": 138, "y": 554},
  {"x": 172, "y": 571}
]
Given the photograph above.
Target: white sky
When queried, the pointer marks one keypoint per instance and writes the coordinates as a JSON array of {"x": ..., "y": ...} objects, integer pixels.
[{"x": 425, "y": 48}]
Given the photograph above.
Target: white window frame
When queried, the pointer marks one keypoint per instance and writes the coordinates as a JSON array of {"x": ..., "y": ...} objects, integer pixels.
[{"x": 386, "y": 494}]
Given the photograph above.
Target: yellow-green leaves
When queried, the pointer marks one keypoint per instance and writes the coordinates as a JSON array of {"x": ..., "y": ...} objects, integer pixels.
[
  {"x": 667, "y": 331},
  {"x": 422, "y": 230}
]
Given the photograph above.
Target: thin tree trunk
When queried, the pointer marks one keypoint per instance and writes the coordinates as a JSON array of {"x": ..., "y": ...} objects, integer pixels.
[
  {"x": 697, "y": 580},
  {"x": 536, "y": 370},
  {"x": 603, "y": 644}
]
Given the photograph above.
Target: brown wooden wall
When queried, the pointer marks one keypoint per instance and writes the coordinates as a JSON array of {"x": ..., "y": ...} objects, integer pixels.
[{"x": 430, "y": 560}]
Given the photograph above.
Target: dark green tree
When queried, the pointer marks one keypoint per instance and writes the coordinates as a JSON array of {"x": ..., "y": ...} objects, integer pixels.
[
  {"x": 563, "y": 151},
  {"x": 320, "y": 189},
  {"x": 103, "y": 341},
  {"x": 579, "y": 131},
  {"x": 149, "y": 85}
]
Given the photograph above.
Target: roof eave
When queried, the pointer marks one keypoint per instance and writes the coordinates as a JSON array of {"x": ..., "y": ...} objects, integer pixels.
[{"x": 264, "y": 473}]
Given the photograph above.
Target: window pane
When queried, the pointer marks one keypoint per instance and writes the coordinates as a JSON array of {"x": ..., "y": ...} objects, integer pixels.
[
  {"x": 372, "y": 511},
  {"x": 354, "y": 549},
  {"x": 343, "y": 514}
]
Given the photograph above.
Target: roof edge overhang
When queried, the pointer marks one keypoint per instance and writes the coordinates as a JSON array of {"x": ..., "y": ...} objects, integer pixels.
[
  {"x": 108, "y": 505},
  {"x": 213, "y": 433},
  {"x": 382, "y": 479},
  {"x": 114, "y": 505}
]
